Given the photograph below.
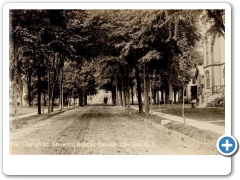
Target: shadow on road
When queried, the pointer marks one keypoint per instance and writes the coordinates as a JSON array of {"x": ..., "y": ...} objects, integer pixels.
[{"x": 101, "y": 105}]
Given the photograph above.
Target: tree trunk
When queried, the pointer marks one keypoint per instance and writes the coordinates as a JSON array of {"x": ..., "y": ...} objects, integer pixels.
[
  {"x": 154, "y": 96},
  {"x": 85, "y": 98},
  {"x": 52, "y": 103},
  {"x": 60, "y": 73},
  {"x": 146, "y": 89},
  {"x": 15, "y": 98},
  {"x": 49, "y": 91},
  {"x": 29, "y": 90},
  {"x": 158, "y": 97},
  {"x": 170, "y": 93},
  {"x": 114, "y": 96},
  {"x": 128, "y": 98},
  {"x": 56, "y": 72},
  {"x": 123, "y": 94},
  {"x": 55, "y": 79},
  {"x": 159, "y": 101},
  {"x": 166, "y": 95},
  {"x": 132, "y": 95},
  {"x": 183, "y": 107},
  {"x": 15, "y": 83},
  {"x": 39, "y": 89},
  {"x": 120, "y": 95},
  {"x": 44, "y": 99},
  {"x": 62, "y": 107},
  {"x": 123, "y": 98},
  {"x": 62, "y": 100},
  {"x": 69, "y": 101},
  {"x": 175, "y": 94},
  {"x": 21, "y": 96},
  {"x": 162, "y": 98},
  {"x": 116, "y": 90},
  {"x": 128, "y": 90},
  {"x": 150, "y": 99},
  {"x": 20, "y": 89},
  {"x": 81, "y": 98},
  {"x": 60, "y": 90},
  {"x": 139, "y": 91},
  {"x": 59, "y": 99}
]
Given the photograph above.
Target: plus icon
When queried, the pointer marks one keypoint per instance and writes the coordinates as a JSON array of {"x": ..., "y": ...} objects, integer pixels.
[{"x": 227, "y": 145}]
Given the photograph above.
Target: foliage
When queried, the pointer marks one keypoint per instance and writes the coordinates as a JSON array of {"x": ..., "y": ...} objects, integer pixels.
[
  {"x": 84, "y": 50},
  {"x": 214, "y": 21}
]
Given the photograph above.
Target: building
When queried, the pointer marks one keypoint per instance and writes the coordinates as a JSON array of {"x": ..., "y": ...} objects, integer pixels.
[{"x": 211, "y": 79}]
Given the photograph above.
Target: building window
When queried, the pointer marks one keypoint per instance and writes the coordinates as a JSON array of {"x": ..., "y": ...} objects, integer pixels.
[{"x": 207, "y": 79}]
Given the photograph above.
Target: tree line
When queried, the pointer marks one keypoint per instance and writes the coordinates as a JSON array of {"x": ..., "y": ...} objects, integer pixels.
[{"x": 72, "y": 53}]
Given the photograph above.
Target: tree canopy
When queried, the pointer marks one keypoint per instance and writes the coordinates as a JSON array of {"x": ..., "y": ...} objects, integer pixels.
[{"x": 73, "y": 53}]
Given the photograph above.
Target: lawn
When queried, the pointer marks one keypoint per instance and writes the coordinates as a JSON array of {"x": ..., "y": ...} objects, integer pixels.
[
  {"x": 195, "y": 133},
  {"x": 201, "y": 114},
  {"x": 192, "y": 132},
  {"x": 26, "y": 110}
]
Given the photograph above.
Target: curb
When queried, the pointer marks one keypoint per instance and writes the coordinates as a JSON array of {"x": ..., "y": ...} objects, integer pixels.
[
  {"x": 196, "y": 145},
  {"x": 208, "y": 146}
]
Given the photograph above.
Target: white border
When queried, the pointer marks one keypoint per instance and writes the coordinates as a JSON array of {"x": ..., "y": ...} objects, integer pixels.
[
  {"x": 117, "y": 6},
  {"x": 114, "y": 165}
]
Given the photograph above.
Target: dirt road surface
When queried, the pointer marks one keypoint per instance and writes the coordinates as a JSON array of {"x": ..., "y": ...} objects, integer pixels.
[{"x": 95, "y": 130}]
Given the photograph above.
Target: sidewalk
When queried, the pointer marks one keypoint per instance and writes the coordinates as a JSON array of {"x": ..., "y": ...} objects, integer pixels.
[
  {"x": 198, "y": 124},
  {"x": 35, "y": 113}
]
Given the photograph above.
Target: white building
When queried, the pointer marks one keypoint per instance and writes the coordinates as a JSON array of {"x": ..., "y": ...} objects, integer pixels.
[{"x": 213, "y": 80}]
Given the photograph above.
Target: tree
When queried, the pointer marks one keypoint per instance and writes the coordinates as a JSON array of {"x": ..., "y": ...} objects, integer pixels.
[
  {"x": 118, "y": 50},
  {"x": 19, "y": 35},
  {"x": 185, "y": 71},
  {"x": 214, "y": 20}
]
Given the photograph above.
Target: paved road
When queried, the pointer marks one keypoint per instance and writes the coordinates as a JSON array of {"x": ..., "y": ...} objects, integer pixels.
[{"x": 94, "y": 130}]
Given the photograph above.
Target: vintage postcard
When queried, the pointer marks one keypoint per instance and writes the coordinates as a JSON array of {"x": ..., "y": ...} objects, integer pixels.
[{"x": 134, "y": 83}]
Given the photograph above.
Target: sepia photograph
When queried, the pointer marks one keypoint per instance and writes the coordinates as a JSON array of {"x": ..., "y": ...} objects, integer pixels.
[{"x": 116, "y": 81}]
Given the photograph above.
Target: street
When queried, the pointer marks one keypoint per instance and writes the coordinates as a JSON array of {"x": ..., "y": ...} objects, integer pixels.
[{"x": 95, "y": 130}]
